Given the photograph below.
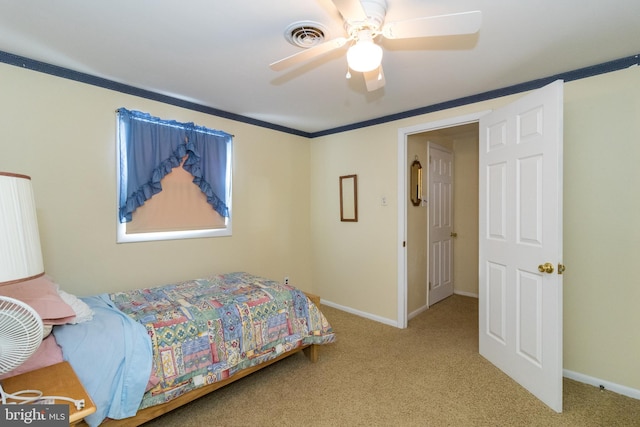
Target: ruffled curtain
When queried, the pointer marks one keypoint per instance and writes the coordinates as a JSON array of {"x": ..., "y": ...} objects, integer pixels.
[{"x": 151, "y": 147}]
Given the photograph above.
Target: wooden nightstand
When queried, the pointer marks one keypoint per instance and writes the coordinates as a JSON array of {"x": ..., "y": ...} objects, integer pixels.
[{"x": 54, "y": 380}]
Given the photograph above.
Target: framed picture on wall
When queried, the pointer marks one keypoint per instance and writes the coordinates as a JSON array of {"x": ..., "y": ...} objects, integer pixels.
[{"x": 349, "y": 198}]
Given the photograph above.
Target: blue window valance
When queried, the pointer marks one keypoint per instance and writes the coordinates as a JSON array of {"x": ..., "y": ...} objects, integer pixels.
[{"x": 151, "y": 147}]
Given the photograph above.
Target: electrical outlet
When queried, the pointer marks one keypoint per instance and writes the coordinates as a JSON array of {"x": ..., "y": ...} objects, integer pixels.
[{"x": 286, "y": 280}]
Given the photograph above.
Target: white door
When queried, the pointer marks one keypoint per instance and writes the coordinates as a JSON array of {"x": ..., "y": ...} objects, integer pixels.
[
  {"x": 440, "y": 272},
  {"x": 520, "y": 232}
]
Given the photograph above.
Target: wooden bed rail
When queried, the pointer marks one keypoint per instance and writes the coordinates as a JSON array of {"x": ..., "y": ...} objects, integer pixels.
[{"x": 152, "y": 412}]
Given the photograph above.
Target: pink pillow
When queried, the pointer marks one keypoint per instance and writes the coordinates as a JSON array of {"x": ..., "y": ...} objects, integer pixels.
[
  {"x": 49, "y": 353},
  {"x": 42, "y": 295}
]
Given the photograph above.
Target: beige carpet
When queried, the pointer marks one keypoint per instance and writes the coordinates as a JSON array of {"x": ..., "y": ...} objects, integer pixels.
[{"x": 429, "y": 374}]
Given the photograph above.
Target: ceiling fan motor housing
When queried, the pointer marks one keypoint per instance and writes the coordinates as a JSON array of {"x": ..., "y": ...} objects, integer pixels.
[{"x": 375, "y": 10}]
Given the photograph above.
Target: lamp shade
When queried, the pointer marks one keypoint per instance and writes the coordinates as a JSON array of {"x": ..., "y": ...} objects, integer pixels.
[
  {"x": 20, "y": 253},
  {"x": 364, "y": 56}
]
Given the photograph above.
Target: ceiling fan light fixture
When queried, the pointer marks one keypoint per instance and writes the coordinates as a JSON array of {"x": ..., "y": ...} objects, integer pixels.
[
  {"x": 364, "y": 21},
  {"x": 364, "y": 56}
]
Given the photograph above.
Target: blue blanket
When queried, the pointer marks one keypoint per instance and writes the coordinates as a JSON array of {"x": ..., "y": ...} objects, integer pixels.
[{"x": 112, "y": 357}]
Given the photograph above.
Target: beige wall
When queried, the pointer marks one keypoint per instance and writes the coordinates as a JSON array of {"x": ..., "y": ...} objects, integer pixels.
[
  {"x": 417, "y": 229},
  {"x": 62, "y": 134},
  {"x": 465, "y": 219},
  {"x": 354, "y": 263},
  {"x": 286, "y": 207},
  {"x": 356, "y": 266},
  {"x": 602, "y": 227}
]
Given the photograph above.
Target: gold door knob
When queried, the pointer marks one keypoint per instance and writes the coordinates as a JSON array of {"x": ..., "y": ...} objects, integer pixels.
[
  {"x": 547, "y": 267},
  {"x": 454, "y": 234}
]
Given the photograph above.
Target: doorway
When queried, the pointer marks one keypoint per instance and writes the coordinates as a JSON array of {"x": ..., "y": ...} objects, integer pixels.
[
  {"x": 420, "y": 132},
  {"x": 424, "y": 274}
]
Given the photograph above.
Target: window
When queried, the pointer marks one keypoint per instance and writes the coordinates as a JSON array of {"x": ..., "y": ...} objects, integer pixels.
[{"x": 174, "y": 179}]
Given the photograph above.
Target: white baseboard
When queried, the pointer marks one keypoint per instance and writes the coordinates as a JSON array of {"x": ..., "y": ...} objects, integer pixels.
[
  {"x": 596, "y": 382},
  {"x": 360, "y": 313},
  {"x": 418, "y": 311},
  {"x": 466, "y": 294}
]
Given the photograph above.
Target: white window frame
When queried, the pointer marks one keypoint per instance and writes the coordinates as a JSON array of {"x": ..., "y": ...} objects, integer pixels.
[{"x": 121, "y": 228}]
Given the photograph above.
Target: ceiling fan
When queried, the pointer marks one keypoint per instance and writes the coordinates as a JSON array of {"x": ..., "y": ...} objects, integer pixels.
[{"x": 363, "y": 21}]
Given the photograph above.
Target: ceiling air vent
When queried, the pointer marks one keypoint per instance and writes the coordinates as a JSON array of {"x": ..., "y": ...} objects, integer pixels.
[{"x": 305, "y": 34}]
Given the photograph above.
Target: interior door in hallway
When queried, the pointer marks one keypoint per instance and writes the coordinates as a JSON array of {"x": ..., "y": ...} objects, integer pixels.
[
  {"x": 520, "y": 242},
  {"x": 440, "y": 223}
]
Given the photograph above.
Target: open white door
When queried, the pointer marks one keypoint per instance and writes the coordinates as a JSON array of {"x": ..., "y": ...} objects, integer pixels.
[
  {"x": 440, "y": 270},
  {"x": 520, "y": 312}
]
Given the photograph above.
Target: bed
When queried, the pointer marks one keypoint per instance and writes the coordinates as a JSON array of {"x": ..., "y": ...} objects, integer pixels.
[{"x": 145, "y": 352}]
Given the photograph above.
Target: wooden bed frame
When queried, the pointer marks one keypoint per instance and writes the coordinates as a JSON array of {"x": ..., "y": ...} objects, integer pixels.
[{"x": 147, "y": 414}]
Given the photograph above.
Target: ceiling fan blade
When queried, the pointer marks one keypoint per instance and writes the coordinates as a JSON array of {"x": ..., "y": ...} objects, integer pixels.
[
  {"x": 374, "y": 79},
  {"x": 433, "y": 26},
  {"x": 351, "y": 10},
  {"x": 307, "y": 54}
]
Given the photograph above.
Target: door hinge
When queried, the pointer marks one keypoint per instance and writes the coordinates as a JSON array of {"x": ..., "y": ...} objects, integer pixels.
[{"x": 404, "y": 244}]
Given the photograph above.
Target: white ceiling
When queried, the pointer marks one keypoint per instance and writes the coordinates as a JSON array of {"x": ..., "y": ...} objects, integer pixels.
[{"x": 217, "y": 53}]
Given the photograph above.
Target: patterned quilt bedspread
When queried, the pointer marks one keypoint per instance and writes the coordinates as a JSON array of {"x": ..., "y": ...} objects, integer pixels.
[{"x": 205, "y": 330}]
